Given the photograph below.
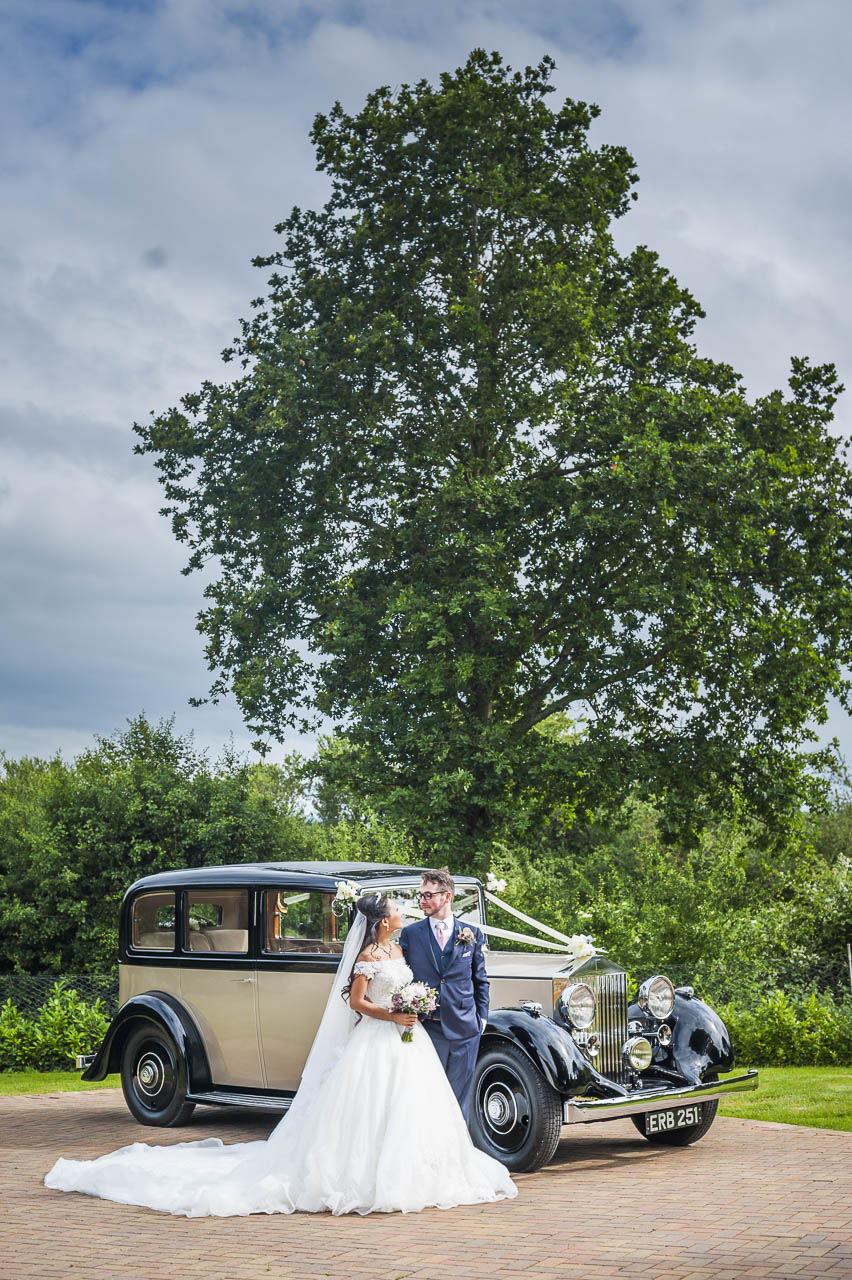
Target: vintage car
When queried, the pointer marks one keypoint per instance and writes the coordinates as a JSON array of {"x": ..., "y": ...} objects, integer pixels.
[{"x": 224, "y": 973}]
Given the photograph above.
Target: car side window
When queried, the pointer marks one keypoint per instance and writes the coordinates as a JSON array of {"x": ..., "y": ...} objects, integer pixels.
[
  {"x": 152, "y": 922},
  {"x": 217, "y": 920},
  {"x": 302, "y": 923}
]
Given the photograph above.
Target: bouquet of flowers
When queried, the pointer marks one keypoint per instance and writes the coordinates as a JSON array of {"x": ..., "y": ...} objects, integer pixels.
[{"x": 413, "y": 997}]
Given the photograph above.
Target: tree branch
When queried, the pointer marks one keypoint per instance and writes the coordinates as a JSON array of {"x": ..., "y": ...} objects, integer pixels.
[{"x": 531, "y": 718}]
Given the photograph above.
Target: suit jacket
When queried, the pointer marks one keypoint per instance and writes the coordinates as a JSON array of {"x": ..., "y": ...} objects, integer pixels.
[{"x": 459, "y": 975}]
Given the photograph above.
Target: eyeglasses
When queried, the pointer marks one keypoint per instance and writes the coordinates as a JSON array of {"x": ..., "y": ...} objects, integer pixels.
[{"x": 427, "y": 897}]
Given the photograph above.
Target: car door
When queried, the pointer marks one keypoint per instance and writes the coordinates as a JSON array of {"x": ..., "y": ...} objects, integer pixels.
[
  {"x": 301, "y": 942},
  {"x": 219, "y": 981}
]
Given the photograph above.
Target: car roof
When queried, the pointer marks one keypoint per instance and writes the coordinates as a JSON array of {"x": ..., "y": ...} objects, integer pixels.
[{"x": 317, "y": 875}]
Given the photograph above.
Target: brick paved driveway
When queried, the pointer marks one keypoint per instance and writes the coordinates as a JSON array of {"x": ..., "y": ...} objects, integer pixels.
[{"x": 751, "y": 1199}]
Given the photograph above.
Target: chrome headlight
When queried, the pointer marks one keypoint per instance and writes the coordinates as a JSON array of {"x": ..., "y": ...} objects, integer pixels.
[
  {"x": 657, "y": 996},
  {"x": 577, "y": 1005}
]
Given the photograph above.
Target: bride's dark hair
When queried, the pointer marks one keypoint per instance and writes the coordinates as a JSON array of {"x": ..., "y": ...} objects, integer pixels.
[{"x": 374, "y": 907}]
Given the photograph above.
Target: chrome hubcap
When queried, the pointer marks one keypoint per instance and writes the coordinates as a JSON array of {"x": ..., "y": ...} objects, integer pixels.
[
  {"x": 150, "y": 1073},
  {"x": 504, "y": 1107},
  {"x": 500, "y": 1107}
]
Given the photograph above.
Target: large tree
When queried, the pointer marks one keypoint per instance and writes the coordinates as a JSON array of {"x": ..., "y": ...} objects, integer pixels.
[{"x": 472, "y": 472}]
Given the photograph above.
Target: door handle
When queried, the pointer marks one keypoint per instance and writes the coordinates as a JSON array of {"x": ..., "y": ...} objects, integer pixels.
[{"x": 242, "y": 979}]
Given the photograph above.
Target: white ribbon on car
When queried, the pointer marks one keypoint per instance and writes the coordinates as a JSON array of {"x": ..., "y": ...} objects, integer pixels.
[
  {"x": 409, "y": 910},
  {"x": 536, "y": 924}
]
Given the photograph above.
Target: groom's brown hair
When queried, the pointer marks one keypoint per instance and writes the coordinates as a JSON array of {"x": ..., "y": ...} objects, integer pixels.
[{"x": 441, "y": 878}]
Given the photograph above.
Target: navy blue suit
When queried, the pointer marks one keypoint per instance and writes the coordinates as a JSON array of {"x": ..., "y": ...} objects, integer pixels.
[{"x": 459, "y": 975}]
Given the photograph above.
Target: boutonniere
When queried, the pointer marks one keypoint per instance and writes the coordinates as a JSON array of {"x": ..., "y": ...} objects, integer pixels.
[{"x": 464, "y": 937}]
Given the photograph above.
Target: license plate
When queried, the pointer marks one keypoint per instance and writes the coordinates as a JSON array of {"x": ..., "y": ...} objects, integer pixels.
[{"x": 673, "y": 1118}]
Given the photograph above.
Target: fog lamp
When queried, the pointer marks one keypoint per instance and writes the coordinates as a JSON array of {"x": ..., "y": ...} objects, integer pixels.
[
  {"x": 638, "y": 1053},
  {"x": 664, "y": 1034}
]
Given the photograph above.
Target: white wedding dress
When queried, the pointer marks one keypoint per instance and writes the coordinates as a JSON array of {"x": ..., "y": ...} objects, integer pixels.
[{"x": 381, "y": 1132}]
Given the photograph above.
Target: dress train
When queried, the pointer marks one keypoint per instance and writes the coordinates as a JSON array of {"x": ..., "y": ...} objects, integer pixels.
[{"x": 384, "y": 1133}]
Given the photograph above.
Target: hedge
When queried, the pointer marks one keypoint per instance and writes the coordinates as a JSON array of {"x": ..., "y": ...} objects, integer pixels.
[
  {"x": 65, "y": 1026},
  {"x": 811, "y": 1031},
  {"x": 784, "y": 1031}
]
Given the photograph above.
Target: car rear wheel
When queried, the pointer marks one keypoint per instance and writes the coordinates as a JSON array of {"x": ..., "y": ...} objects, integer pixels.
[
  {"x": 515, "y": 1114},
  {"x": 679, "y": 1137},
  {"x": 153, "y": 1076}
]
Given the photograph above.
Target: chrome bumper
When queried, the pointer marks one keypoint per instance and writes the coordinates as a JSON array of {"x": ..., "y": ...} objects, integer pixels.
[
  {"x": 84, "y": 1060},
  {"x": 585, "y": 1110}
]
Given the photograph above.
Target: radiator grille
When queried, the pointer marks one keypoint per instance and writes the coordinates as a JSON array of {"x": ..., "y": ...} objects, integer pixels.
[{"x": 610, "y": 1021}]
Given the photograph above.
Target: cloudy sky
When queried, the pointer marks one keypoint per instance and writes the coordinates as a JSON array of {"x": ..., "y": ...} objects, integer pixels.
[{"x": 150, "y": 146}]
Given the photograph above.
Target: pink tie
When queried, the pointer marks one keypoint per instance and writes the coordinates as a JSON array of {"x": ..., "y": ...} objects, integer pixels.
[{"x": 439, "y": 929}]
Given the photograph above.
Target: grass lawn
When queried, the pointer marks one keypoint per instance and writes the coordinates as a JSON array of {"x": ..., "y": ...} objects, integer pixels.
[
  {"x": 817, "y": 1096},
  {"x": 50, "y": 1082}
]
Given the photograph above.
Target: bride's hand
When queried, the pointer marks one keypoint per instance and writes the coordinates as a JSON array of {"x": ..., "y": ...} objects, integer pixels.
[{"x": 405, "y": 1019}]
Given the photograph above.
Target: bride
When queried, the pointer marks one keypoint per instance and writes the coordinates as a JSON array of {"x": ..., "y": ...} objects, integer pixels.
[{"x": 374, "y": 1127}]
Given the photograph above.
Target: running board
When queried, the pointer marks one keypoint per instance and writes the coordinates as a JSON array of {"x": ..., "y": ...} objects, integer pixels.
[{"x": 224, "y": 1098}]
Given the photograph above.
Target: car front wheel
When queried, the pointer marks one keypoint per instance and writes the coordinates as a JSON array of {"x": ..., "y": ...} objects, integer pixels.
[
  {"x": 152, "y": 1072},
  {"x": 516, "y": 1116}
]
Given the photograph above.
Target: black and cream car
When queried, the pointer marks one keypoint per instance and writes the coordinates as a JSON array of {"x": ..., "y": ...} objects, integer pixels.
[{"x": 224, "y": 973}]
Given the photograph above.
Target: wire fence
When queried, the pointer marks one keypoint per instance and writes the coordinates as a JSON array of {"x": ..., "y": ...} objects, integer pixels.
[{"x": 29, "y": 992}]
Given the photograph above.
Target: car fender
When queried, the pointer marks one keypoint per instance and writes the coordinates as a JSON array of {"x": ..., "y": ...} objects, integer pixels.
[
  {"x": 551, "y": 1049},
  {"x": 164, "y": 1011},
  {"x": 701, "y": 1046}
]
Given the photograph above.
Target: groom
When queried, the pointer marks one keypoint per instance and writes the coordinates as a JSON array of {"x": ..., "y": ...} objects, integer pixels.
[{"x": 447, "y": 954}]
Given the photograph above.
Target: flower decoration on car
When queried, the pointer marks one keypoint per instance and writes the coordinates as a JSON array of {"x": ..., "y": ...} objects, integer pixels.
[
  {"x": 465, "y": 937},
  {"x": 582, "y": 947},
  {"x": 348, "y": 893},
  {"x": 493, "y": 885}
]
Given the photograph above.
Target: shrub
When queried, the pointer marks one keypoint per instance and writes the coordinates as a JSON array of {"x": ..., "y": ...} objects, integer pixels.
[
  {"x": 65, "y": 1026},
  {"x": 780, "y": 1031},
  {"x": 18, "y": 1038}
]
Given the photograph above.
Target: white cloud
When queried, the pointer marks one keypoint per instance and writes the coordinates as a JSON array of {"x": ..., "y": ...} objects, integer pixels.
[{"x": 150, "y": 147}]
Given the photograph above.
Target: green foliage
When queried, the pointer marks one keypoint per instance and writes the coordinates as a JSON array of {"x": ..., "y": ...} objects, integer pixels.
[
  {"x": 65, "y": 1027},
  {"x": 18, "y": 1039},
  {"x": 73, "y": 837},
  {"x": 368, "y": 839},
  {"x": 723, "y": 915},
  {"x": 783, "y": 1031},
  {"x": 473, "y": 472},
  {"x": 758, "y": 928}
]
